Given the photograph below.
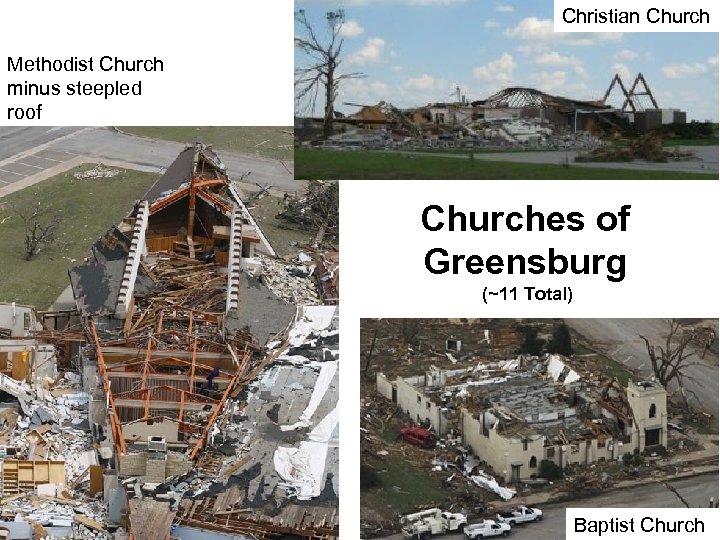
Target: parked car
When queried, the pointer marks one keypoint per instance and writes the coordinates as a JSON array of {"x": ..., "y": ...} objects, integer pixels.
[
  {"x": 419, "y": 436},
  {"x": 486, "y": 529},
  {"x": 521, "y": 514},
  {"x": 422, "y": 525}
]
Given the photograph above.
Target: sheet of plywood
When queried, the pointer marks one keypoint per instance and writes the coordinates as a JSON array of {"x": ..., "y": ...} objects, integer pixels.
[
  {"x": 20, "y": 367},
  {"x": 150, "y": 519},
  {"x": 91, "y": 523},
  {"x": 96, "y": 479},
  {"x": 57, "y": 472}
]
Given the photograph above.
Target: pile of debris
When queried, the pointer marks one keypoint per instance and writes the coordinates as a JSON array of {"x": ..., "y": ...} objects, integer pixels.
[
  {"x": 183, "y": 281},
  {"x": 317, "y": 208},
  {"x": 581, "y": 140},
  {"x": 291, "y": 282},
  {"x": 647, "y": 147},
  {"x": 239, "y": 483},
  {"x": 180, "y": 288},
  {"x": 99, "y": 171},
  {"x": 48, "y": 517},
  {"x": 48, "y": 454}
]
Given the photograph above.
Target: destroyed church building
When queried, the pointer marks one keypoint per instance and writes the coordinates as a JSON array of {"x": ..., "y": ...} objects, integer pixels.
[
  {"x": 512, "y": 116},
  {"x": 211, "y": 401},
  {"x": 514, "y": 414}
]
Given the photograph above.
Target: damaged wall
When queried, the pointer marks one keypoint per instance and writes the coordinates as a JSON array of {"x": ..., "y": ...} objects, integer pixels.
[
  {"x": 411, "y": 400},
  {"x": 140, "y": 430},
  {"x": 501, "y": 452},
  {"x": 384, "y": 386},
  {"x": 16, "y": 320},
  {"x": 139, "y": 464},
  {"x": 587, "y": 451},
  {"x": 39, "y": 360}
]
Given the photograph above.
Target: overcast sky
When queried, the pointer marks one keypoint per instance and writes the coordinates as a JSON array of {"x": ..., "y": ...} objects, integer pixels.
[{"x": 417, "y": 51}]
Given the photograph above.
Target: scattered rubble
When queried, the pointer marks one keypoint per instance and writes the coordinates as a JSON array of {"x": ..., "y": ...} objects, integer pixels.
[
  {"x": 292, "y": 282},
  {"x": 498, "y": 135},
  {"x": 47, "y": 451},
  {"x": 99, "y": 171}
]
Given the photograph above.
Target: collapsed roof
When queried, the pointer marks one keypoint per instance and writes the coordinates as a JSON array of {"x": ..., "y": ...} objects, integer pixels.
[
  {"x": 192, "y": 210},
  {"x": 519, "y": 97},
  {"x": 523, "y": 397},
  {"x": 178, "y": 333}
]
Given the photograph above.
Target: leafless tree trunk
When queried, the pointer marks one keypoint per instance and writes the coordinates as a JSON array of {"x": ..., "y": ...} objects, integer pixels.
[
  {"x": 670, "y": 361},
  {"x": 321, "y": 72},
  {"x": 41, "y": 223},
  {"x": 409, "y": 330},
  {"x": 369, "y": 355}
]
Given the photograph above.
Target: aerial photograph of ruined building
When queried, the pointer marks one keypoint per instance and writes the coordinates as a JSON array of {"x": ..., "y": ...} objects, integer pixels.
[
  {"x": 477, "y": 426},
  {"x": 501, "y": 96},
  {"x": 169, "y": 337}
]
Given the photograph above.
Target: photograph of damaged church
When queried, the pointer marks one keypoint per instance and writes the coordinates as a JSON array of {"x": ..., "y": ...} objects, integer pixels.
[
  {"x": 187, "y": 389},
  {"x": 500, "y": 96},
  {"x": 477, "y": 424}
]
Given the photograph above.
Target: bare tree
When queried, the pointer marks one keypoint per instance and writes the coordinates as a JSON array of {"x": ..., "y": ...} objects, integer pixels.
[
  {"x": 321, "y": 72},
  {"x": 670, "y": 360},
  {"x": 41, "y": 223},
  {"x": 369, "y": 355},
  {"x": 409, "y": 330},
  {"x": 326, "y": 197}
]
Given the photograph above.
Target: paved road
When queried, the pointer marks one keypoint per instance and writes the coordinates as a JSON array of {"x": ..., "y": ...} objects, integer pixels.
[
  {"x": 14, "y": 140},
  {"x": 619, "y": 339},
  {"x": 697, "y": 491},
  {"x": 707, "y": 163},
  {"x": 28, "y": 151}
]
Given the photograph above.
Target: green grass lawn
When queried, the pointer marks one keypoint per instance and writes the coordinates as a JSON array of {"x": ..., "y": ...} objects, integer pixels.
[
  {"x": 404, "y": 486},
  {"x": 88, "y": 209},
  {"x": 466, "y": 151},
  {"x": 713, "y": 141},
  {"x": 329, "y": 165},
  {"x": 270, "y": 142},
  {"x": 282, "y": 234},
  {"x": 671, "y": 143},
  {"x": 609, "y": 367},
  {"x": 616, "y": 369}
]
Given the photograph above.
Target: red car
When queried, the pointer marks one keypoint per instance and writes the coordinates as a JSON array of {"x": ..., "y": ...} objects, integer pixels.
[{"x": 418, "y": 436}]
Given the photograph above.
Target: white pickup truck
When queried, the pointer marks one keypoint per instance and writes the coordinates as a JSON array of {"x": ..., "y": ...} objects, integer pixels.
[
  {"x": 486, "y": 529},
  {"x": 427, "y": 523},
  {"x": 521, "y": 514}
]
